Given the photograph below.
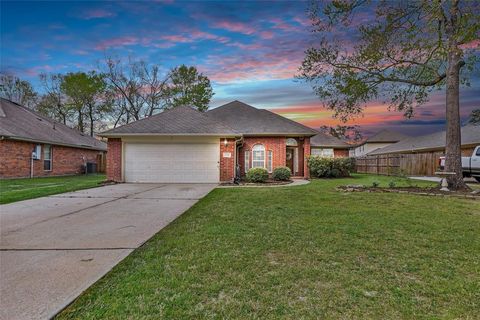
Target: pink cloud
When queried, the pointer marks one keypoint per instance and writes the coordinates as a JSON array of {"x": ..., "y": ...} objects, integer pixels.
[
  {"x": 117, "y": 42},
  {"x": 97, "y": 13},
  {"x": 235, "y": 27},
  {"x": 244, "y": 68},
  {"x": 475, "y": 44},
  {"x": 282, "y": 25},
  {"x": 266, "y": 34}
]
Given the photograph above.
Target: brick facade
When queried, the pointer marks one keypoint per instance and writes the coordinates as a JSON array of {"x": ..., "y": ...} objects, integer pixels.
[
  {"x": 278, "y": 147},
  {"x": 114, "y": 160},
  {"x": 275, "y": 144},
  {"x": 15, "y": 160},
  {"x": 227, "y": 165},
  {"x": 306, "y": 153},
  {"x": 340, "y": 153}
]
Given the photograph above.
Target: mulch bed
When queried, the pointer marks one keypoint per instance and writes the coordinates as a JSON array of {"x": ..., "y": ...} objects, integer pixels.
[
  {"x": 469, "y": 194},
  {"x": 267, "y": 183}
]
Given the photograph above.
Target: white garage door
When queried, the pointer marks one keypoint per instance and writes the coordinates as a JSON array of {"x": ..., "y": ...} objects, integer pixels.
[{"x": 172, "y": 163}]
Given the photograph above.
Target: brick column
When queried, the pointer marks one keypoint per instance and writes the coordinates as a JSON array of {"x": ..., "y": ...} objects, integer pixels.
[
  {"x": 227, "y": 165},
  {"x": 306, "y": 154},
  {"x": 114, "y": 159}
]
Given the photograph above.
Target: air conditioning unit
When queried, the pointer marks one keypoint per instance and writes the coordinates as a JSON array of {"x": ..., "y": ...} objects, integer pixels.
[{"x": 37, "y": 152}]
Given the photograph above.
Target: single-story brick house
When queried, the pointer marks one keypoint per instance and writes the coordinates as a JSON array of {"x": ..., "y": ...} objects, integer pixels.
[
  {"x": 184, "y": 145},
  {"x": 326, "y": 145},
  {"x": 32, "y": 145}
]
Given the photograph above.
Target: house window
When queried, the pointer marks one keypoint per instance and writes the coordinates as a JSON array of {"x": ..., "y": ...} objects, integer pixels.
[
  {"x": 258, "y": 156},
  {"x": 323, "y": 152},
  {"x": 247, "y": 160},
  {"x": 292, "y": 142},
  {"x": 47, "y": 157},
  {"x": 270, "y": 161}
]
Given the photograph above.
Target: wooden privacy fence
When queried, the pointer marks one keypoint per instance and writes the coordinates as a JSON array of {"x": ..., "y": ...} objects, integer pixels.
[{"x": 413, "y": 164}]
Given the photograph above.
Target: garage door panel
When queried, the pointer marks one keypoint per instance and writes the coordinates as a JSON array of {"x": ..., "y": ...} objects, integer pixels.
[{"x": 187, "y": 163}]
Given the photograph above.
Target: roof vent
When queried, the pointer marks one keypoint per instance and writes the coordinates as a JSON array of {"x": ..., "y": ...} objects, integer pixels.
[
  {"x": 2, "y": 113},
  {"x": 39, "y": 119}
]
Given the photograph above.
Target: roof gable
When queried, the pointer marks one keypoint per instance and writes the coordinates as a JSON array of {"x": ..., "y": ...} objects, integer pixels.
[
  {"x": 21, "y": 123},
  {"x": 249, "y": 120},
  {"x": 182, "y": 120},
  {"x": 326, "y": 140},
  {"x": 387, "y": 136}
]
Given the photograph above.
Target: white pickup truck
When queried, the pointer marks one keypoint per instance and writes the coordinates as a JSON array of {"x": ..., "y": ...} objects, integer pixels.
[{"x": 470, "y": 165}]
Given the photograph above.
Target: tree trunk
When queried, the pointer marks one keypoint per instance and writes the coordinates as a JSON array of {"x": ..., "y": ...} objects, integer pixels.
[
  {"x": 81, "y": 127},
  {"x": 453, "y": 153}
]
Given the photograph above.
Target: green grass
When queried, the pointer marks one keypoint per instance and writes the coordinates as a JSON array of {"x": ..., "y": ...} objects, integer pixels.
[
  {"x": 23, "y": 189},
  {"x": 304, "y": 252}
]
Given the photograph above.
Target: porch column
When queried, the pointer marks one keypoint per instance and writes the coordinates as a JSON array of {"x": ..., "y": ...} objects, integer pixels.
[{"x": 306, "y": 154}]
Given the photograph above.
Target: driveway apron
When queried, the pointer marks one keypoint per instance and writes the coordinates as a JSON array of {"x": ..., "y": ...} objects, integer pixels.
[{"x": 53, "y": 248}]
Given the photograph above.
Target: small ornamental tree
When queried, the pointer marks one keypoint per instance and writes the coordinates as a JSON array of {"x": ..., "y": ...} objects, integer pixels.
[{"x": 399, "y": 51}]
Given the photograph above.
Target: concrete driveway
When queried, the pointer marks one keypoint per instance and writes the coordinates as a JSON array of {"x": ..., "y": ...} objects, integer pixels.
[{"x": 53, "y": 248}]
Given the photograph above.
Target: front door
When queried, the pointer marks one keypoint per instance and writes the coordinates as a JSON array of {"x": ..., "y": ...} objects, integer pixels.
[{"x": 289, "y": 159}]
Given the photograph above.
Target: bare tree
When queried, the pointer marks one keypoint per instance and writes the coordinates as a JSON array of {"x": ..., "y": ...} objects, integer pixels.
[
  {"x": 17, "y": 90},
  {"x": 53, "y": 102}
]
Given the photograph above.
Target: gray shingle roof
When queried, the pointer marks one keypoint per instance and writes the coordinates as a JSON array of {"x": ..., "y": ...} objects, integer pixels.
[
  {"x": 387, "y": 136},
  {"x": 470, "y": 136},
  {"x": 251, "y": 121},
  {"x": 326, "y": 140},
  {"x": 181, "y": 120},
  {"x": 20, "y": 123}
]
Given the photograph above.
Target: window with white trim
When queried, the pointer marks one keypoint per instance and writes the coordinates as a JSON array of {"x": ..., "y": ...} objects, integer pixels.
[
  {"x": 270, "y": 161},
  {"x": 258, "y": 156},
  {"x": 323, "y": 152},
  {"x": 47, "y": 157},
  {"x": 247, "y": 160}
]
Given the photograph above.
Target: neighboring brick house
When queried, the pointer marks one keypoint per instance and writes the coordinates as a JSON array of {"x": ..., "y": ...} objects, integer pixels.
[
  {"x": 326, "y": 145},
  {"x": 32, "y": 145},
  {"x": 184, "y": 145}
]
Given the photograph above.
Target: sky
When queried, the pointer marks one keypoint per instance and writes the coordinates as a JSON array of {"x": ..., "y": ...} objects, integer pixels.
[{"x": 250, "y": 50}]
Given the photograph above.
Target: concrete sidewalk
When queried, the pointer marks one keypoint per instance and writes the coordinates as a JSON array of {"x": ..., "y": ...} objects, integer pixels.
[{"x": 53, "y": 248}]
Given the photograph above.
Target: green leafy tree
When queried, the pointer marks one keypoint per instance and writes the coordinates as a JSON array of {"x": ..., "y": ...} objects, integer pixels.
[
  {"x": 399, "y": 53},
  {"x": 186, "y": 86},
  {"x": 86, "y": 94},
  {"x": 347, "y": 133},
  {"x": 17, "y": 90}
]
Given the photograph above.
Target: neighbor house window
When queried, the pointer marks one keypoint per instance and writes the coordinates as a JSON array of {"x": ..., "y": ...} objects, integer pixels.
[
  {"x": 247, "y": 160},
  {"x": 258, "y": 156},
  {"x": 270, "y": 161},
  {"x": 47, "y": 157},
  {"x": 323, "y": 152}
]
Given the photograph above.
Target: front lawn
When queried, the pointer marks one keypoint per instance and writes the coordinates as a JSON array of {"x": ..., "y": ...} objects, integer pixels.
[
  {"x": 304, "y": 252},
  {"x": 23, "y": 189}
]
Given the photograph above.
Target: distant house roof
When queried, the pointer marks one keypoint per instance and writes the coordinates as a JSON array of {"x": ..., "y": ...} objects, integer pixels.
[
  {"x": 326, "y": 140},
  {"x": 181, "y": 120},
  {"x": 434, "y": 141},
  {"x": 20, "y": 123},
  {"x": 251, "y": 121},
  {"x": 386, "y": 136}
]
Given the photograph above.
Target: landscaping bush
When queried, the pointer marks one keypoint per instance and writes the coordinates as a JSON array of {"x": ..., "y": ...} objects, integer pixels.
[
  {"x": 257, "y": 175},
  {"x": 321, "y": 167},
  {"x": 281, "y": 174}
]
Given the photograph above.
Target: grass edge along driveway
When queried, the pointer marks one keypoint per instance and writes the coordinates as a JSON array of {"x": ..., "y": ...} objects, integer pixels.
[
  {"x": 12, "y": 190},
  {"x": 301, "y": 252}
]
